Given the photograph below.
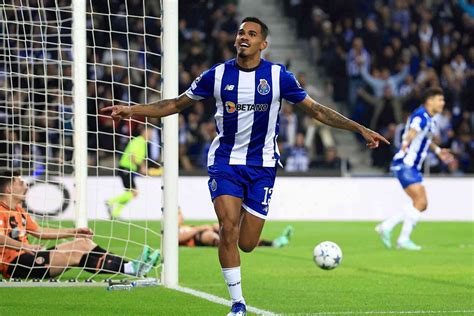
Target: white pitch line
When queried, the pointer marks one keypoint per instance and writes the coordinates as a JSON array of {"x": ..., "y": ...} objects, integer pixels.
[
  {"x": 390, "y": 312},
  {"x": 220, "y": 300},
  {"x": 51, "y": 284}
]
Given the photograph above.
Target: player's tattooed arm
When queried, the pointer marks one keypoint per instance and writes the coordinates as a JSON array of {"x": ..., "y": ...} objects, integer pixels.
[
  {"x": 164, "y": 107},
  {"x": 157, "y": 109},
  {"x": 328, "y": 116},
  {"x": 332, "y": 118}
]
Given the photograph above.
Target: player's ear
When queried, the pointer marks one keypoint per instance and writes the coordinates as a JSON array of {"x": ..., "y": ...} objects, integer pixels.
[
  {"x": 264, "y": 45},
  {"x": 8, "y": 188}
]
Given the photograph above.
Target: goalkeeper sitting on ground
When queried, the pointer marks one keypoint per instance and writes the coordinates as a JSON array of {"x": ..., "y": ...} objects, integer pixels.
[{"x": 20, "y": 259}]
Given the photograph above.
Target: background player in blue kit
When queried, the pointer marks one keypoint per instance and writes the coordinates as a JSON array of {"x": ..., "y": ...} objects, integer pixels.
[
  {"x": 242, "y": 158},
  {"x": 406, "y": 165}
]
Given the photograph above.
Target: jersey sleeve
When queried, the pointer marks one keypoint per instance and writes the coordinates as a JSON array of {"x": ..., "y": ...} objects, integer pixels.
[
  {"x": 31, "y": 224},
  {"x": 203, "y": 86},
  {"x": 418, "y": 122},
  {"x": 290, "y": 88},
  {"x": 3, "y": 222}
]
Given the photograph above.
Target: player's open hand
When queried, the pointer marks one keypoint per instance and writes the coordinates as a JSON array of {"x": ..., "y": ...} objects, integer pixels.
[
  {"x": 117, "y": 111},
  {"x": 84, "y": 232},
  {"x": 373, "y": 139},
  {"x": 446, "y": 156}
]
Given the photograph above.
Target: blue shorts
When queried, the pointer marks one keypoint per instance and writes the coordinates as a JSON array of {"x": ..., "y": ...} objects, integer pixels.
[
  {"x": 254, "y": 185},
  {"x": 407, "y": 175}
]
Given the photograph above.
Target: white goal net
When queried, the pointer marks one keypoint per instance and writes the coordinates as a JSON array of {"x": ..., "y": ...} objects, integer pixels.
[{"x": 39, "y": 121}]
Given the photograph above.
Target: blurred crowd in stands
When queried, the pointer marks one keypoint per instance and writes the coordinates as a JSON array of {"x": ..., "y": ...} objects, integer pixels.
[
  {"x": 36, "y": 102},
  {"x": 204, "y": 39},
  {"x": 377, "y": 57}
]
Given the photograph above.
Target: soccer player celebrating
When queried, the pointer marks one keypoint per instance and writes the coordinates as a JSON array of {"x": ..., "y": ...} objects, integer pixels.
[
  {"x": 406, "y": 165},
  {"x": 131, "y": 162},
  {"x": 20, "y": 259},
  {"x": 242, "y": 158}
]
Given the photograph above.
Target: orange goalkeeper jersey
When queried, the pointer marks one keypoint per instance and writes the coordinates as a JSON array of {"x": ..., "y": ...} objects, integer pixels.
[{"x": 15, "y": 224}]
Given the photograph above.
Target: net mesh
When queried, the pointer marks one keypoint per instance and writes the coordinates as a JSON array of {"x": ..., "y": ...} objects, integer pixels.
[{"x": 37, "y": 118}]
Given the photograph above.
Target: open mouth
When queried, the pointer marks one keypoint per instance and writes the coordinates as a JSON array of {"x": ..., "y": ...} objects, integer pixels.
[{"x": 244, "y": 45}]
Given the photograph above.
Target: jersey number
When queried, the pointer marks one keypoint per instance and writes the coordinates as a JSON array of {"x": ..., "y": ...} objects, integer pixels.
[{"x": 268, "y": 195}]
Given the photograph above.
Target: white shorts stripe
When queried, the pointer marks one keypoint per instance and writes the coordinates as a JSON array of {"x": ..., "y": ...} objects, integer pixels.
[{"x": 253, "y": 212}]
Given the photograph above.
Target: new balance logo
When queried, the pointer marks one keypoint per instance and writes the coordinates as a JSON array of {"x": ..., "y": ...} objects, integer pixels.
[{"x": 229, "y": 87}]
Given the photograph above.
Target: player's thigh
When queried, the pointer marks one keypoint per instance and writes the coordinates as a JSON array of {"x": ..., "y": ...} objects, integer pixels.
[
  {"x": 60, "y": 261},
  {"x": 72, "y": 251},
  {"x": 69, "y": 254},
  {"x": 228, "y": 209},
  {"x": 417, "y": 193}
]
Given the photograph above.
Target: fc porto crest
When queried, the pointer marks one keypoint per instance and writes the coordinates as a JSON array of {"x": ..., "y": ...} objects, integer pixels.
[
  {"x": 213, "y": 185},
  {"x": 263, "y": 87}
]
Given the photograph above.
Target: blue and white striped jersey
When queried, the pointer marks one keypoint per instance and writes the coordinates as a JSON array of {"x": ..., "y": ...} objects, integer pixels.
[
  {"x": 248, "y": 103},
  {"x": 416, "y": 153}
]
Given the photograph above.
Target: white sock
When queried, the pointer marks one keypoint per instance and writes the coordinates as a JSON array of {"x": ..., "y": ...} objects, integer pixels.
[
  {"x": 233, "y": 280},
  {"x": 391, "y": 222},
  {"x": 412, "y": 216},
  {"x": 128, "y": 268}
]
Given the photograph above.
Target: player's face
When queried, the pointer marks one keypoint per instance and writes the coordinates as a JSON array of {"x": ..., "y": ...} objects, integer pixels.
[
  {"x": 249, "y": 40},
  {"x": 18, "y": 189},
  {"x": 437, "y": 103}
]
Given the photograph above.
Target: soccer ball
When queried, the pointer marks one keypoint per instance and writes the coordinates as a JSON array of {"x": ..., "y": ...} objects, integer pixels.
[{"x": 327, "y": 255}]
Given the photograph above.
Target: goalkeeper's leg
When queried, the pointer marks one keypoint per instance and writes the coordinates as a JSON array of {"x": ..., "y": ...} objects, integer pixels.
[
  {"x": 115, "y": 205},
  {"x": 83, "y": 252}
]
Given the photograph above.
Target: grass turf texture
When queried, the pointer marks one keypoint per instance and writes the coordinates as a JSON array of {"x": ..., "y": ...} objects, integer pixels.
[{"x": 370, "y": 278}]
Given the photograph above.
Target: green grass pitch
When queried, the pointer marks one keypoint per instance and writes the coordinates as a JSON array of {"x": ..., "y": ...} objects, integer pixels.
[{"x": 437, "y": 280}]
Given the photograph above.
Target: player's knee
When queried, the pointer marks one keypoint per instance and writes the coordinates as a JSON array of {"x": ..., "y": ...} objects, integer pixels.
[
  {"x": 84, "y": 244},
  {"x": 247, "y": 246},
  {"x": 229, "y": 233},
  {"x": 422, "y": 205}
]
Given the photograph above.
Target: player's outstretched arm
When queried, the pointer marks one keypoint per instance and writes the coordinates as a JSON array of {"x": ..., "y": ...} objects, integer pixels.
[
  {"x": 443, "y": 153},
  {"x": 408, "y": 137},
  {"x": 157, "y": 109},
  {"x": 335, "y": 119},
  {"x": 15, "y": 244},
  {"x": 54, "y": 233}
]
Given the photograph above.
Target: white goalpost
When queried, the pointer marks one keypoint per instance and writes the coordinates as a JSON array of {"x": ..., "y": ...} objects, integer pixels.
[
  {"x": 79, "y": 75},
  {"x": 61, "y": 61},
  {"x": 170, "y": 154}
]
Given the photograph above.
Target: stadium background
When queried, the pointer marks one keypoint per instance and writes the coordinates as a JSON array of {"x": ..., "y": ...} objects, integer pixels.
[{"x": 327, "y": 50}]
